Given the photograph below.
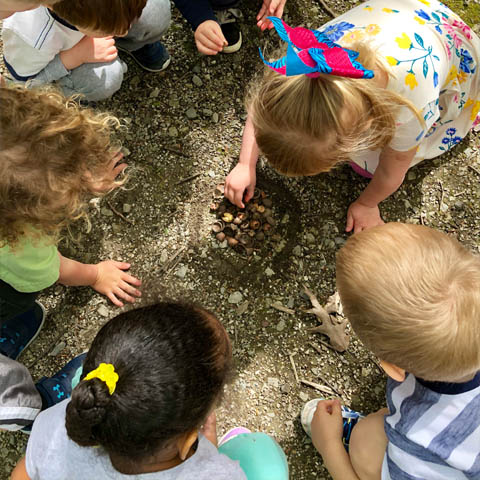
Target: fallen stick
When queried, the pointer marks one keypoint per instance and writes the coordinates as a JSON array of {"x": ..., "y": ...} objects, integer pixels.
[
  {"x": 317, "y": 386},
  {"x": 327, "y": 8},
  {"x": 279, "y": 306},
  {"x": 119, "y": 214},
  {"x": 187, "y": 179},
  {"x": 176, "y": 151},
  {"x": 323, "y": 343},
  {"x": 290, "y": 356}
]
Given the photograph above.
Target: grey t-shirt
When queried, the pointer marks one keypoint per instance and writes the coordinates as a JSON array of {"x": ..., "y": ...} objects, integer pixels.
[{"x": 51, "y": 455}]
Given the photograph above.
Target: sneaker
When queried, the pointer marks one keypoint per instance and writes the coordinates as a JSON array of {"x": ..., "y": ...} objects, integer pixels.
[
  {"x": 350, "y": 419},
  {"x": 55, "y": 389},
  {"x": 19, "y": 332},
  {"x": 153, "y": 57},
  {"x": 228, "y": 23}
]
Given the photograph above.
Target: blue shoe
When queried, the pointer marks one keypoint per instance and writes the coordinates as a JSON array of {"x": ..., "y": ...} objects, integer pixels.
[
  {"x": 18, "y": 333},
  {"x": 350, "y": 419},
  {"x": 55, "y": 389},
  {"x": 153, "y": 57}
]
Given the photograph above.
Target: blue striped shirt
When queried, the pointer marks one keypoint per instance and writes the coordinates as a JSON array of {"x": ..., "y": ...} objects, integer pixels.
[{"x": 433, "y": 430}]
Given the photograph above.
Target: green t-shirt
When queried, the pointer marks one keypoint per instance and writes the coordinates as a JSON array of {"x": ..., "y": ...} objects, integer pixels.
[{"x": 31, "y": 266}]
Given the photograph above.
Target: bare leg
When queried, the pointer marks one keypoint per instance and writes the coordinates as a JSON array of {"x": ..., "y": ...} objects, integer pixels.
[{"x": 367, "y": 446}]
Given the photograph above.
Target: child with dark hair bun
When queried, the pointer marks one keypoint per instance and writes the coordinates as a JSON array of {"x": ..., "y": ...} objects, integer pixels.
[{"x": 150, "y": 381}]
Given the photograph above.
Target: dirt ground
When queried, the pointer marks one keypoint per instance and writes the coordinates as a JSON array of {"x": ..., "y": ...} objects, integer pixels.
[{"x": 165, "y": 234}]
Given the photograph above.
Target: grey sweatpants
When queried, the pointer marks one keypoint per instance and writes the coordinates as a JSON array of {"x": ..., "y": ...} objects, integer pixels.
[{"x": 97, "y": 81}]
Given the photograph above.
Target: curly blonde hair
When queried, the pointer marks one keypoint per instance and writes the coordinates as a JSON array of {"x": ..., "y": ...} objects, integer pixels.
[
  {"x": 53, "y": 156},
  {"x": 306, "y": 126}
]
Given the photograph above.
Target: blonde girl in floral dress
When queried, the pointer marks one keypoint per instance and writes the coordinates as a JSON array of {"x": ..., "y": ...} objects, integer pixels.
[{"x": 421, "y": 98}]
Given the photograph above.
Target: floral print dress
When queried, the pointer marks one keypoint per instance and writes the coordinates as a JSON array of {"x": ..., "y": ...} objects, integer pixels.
[{"x": 433, "y": 57}]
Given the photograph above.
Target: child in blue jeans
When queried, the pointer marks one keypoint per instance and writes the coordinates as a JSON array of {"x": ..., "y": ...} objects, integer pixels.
[
  {"x": 412, "y": 295},
  {"x": 72, "y": 43},
  {"x": 144, "y": 407}
]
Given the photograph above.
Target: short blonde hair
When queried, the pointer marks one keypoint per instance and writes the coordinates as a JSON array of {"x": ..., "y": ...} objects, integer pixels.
[
  {"x": 412, "y": 295},
  {"x": 306, "y": 125},
  {"x": 53, "y": 156}
]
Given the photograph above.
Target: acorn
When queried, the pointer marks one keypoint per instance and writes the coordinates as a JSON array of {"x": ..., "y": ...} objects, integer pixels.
[
  {"x": 218, "y": 226},
  {"x": 214, "y": 206},
  {"x": 267, "y": 227},
  {"x": 251, "y": 233},
  {"x": 220, "y": 236},
  {"x": 256, "y": 216},
  {"x": 256, "y": 194},
  {"x": 271, "y": 221},
  {"x": 232, "y": 241},
  {"x": 242, "y": 216},
  {"x": 267, "y": 202},
  {"x": 221, "y": 209},
  {"x": 255, "y": 224},
  {"x": 220, "y": 189},
  {"x": 245, "y": 225},
  {"x": 260, "y": 236},
  {"x": 237, "y": 220},
  {"x": 248, "y": 251},
  {"x": 227, "y": 217},
  {"x": 261, "y": 209}
]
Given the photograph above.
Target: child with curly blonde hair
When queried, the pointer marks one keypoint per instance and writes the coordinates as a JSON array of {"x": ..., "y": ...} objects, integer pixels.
[
  {"x": 401, "y": 85},
  {"x": 53, "y": 157}
]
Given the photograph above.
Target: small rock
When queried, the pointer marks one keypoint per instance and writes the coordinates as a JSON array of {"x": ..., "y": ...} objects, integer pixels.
[
  {"x": 57, "y": 349},
  {"x": 173, "y": 132},
  {"x": 281, "y": 325},
  {"x": 235, "y": 298},
  {"x": 182, "y": 271},
  {"x": 117, "y": 228},
  {"x": 106, "y": 211},
  {"x": 339, "y": 240},
  {"x": 297, "y": 251},
  {"x": 164, "y": 256},
  {"x": 103, "y": 310},
  {"x": 135, "y": 81},
  {"x": 197, "y": 81},
  {"x": 126, "y": 208},
  {"x": 242, "y": 308},
  {"x": 303, "y": 396},
  {"x": 444, "y": 207},
  {"x": 211, "y": 174},
  {"x": 154, "y": 93},
  {"x": 273, "y": 382},
  {"x": 215, "y": 117},
  {"x": 271, "y": 415},
  {"x": 285, "y": 389},
  {"x": 310, "y": 238},
  {"x": 285, "y": 219},
  {"x": 411, "y": 175},
  {"x": 468, "y": 151},
  {"x": 207, "y": 112},
  {"x": 224, "y": 244},
  {"x": 196, "y": 69},
  {"x": 126, "y": 152},
  {"x": 269, "y": 272},
  {"x": 191, "y": 113}
]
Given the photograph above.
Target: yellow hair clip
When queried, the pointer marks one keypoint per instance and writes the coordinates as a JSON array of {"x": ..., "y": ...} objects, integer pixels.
[{"x": 106, "y": 373}]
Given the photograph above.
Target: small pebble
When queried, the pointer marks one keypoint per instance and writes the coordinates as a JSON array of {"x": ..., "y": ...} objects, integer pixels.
[
  {"x": 173, "y": 132},
  {"x": 154, "y": 93},
  {"x": 269, "y": 272},
  {"x": 197, "y": 81},
  {"x": 164, "y": 256},
  {"x": 297, "y": 251},
  {"x": 281, "y": 325},
  {"x": 103, "y": 311},
  {"x": 106, "y": 211},
  {"x": 182, "y": 271},
  {"x": 411, "y": 175},
  {"x": 126, "y": 208},
  {"x": 215, "y": 117},
  {"x": 303, "y": 396},
  {"x": 191, "y": 113},
  {"x": 235, "y": 298},
  {"x": 273, "y": 382},
  {"x": 57, "y": 349}
]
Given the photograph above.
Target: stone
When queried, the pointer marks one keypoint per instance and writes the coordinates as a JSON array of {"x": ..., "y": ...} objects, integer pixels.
[
  {"x": 103, "y": 310},
  {"x": 182, "y": 271},
  {"x": 215, "y": 117},
  {"x": 154, "y": 93},
  {"x": 116, "y": 227},
  {"x": 273, "y": 382},
  {"x": 285, "y": 389},
  {"x": 164, "y": 256},
  {"x": 303, "y": 396},
  {"x": 126, "y": 208},
  {"x": 173, "y": 132},
  {"x": 269, "y": 272},
  {"x": 310, "y": 238},
  {"x": 106, "y": 211},
  {"x": 197, "y": 81},
  {"x": 411, "y": 175},
  {"x": 281, "y": 325},
  {"x": 57, "y": 349},
  {"x": 235, "y": 298},
  {"x": 207, "y": 112},
  {"x": 191, "y": 113},
  {"x": 297, "y": 251},
  {"x": 196, "y": 69},
  {"x": 242, "y": 308}
]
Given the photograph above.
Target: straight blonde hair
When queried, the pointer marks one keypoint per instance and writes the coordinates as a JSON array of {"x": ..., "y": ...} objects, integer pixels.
[
  {"x": 412, "y": 295},
  {"x": 306, "y": 125}
]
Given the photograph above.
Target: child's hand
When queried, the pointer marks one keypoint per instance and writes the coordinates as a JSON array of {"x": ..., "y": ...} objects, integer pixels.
[
  {"x": 115, "y": 283},
  {"x": 360, "y": 217},
  {"x": 209, "y": 428},
  {"x": 209, "y": 38},
  {"x": 89, "y": 50},
  {"x": 270, "y": 8},
  {"x": 327, "y": 425},
  {"x": 242, "y": 177}
]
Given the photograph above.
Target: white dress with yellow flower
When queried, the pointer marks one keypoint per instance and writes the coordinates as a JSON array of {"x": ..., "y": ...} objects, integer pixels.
[{"x": 434, "y": 60}]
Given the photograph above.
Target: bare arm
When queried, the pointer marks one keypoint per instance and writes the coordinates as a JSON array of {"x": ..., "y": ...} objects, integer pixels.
[
  {"x": 20, "y": 471},
  {"x": 389, "y": 175},
  {"x": 243, "y": 176}
]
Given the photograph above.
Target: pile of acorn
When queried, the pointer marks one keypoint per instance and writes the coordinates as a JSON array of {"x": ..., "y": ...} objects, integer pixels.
[{"x": 243, "y": 229}]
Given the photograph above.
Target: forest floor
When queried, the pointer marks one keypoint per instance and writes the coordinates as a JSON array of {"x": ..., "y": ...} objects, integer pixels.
[{"x": 184, "y": 135}]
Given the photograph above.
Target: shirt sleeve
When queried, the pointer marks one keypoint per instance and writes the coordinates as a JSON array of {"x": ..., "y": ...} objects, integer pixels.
[{"x": 195, "y": 11}]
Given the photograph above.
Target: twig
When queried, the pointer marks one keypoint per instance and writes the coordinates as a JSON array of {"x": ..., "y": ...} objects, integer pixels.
[
  {"x": 279, "y": 306},
  {"x": 327, "y": 8},
  {"x": 317, "y": 386},
  {"x": 442, "y": 194},
  {"x": 176, "y": 151},
  {"x": 474, "y": 169},
  {"x": 290, "y": 356},
  {"x": 120, "y": 214},
  {"x": 187, "y": 179}
]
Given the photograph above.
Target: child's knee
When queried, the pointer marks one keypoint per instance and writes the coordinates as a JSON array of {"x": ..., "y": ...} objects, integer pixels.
[{"x": 103, "y": 80}]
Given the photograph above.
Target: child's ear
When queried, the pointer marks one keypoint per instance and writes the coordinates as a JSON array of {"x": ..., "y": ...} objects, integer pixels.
[
  {"x": 394, "y": 372},
  {"x": 185, "y": 443}
]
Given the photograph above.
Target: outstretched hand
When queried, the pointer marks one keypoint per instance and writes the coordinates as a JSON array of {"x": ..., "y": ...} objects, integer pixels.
[
  {"x": 115, "y": 168},
  {"x": 270, "y": 8},
  {"x": 240, "y": 180},
  {"x": 114, "y": 282},
  {"x": 360, "y": 217}
]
